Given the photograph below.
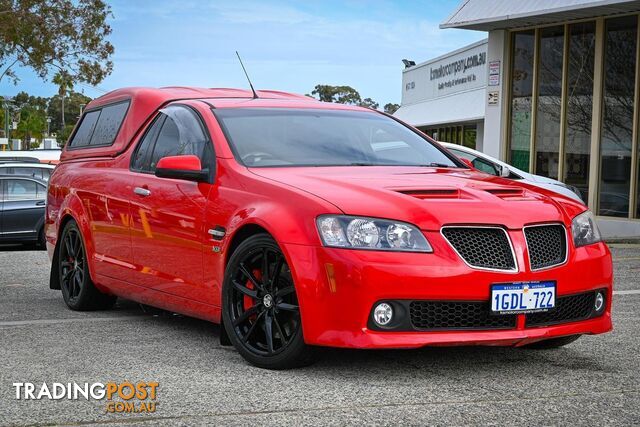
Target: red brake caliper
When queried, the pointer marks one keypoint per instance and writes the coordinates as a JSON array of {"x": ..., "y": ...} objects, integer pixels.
[{"x": 247, "y": 300}]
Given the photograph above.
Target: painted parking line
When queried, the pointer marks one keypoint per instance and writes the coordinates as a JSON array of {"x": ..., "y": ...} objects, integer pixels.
[
  {"x": 629, "y": 292},
  {"x": 629, "y": 258}
]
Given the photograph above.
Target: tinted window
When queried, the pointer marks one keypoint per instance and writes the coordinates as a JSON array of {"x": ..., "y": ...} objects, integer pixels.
[
  {"x": 109, "y": 123},
  {"x": 46, "y": 174},
  {"x": 287, "y": 137},
  {"x": 478, "y": 163},
  {"x": 181, "y": 134},
  {"x": 143, "y": 152},
  {"x": 85, "y": 130},
  {"x": 34, "y": 172},
  {"x": 22, "y": 189}
]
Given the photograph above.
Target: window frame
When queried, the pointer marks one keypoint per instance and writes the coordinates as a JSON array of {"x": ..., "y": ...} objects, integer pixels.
[
  {"x": 4, "y": 193},
  {"x": 69, "y": 146},
  {"x": 211, "y": 167}
]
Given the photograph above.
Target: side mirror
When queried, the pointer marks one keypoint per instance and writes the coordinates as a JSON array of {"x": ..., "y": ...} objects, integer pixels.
[
  {"x": 467, "y": 162},
  {"x": 186, "y": 167},
  {"x": 503, "y": 171}
]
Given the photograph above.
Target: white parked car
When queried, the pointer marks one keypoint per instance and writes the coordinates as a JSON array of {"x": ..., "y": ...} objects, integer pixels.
[
  {"x": 496, "y": 167},
  {"x": 30, "y": 169}
]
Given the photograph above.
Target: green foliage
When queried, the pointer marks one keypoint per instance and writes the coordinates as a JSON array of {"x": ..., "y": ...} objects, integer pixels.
[
  {"x": 369, "y": 103},
  {"x": 32, "y": 124},
  {"x": 391, "y": 108},
  {"x": 343, "y": 95},
  {"x": 31, "y": 112},
  {"x": 68, "y": 36},
  {"x": 64, "y": 134},
  {"x": 338, "y": 94},
  {"x": 72, "y": 103}
]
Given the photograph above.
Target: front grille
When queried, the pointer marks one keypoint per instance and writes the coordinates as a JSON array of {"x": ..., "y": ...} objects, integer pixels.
[
  {"x": 482, "y": 247},
  {"x": 457, "y": 315},
  {"x": 568, "y": 309},
  {"x": 547, "y": 245}
]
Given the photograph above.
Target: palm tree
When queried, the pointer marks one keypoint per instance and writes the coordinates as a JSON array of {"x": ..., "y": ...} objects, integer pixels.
[
  {"x": 65, "y": 84},
  {"x": 31, "y": 125}
]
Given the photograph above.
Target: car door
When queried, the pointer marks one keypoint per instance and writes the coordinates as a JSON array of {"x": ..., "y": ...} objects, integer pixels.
[
  {"x": 23, "y": 208},
  {"x": 168, "y": 232}
]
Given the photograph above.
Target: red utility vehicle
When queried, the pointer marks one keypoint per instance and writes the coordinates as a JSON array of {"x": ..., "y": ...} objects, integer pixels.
[{"x": 297, "y": 223}]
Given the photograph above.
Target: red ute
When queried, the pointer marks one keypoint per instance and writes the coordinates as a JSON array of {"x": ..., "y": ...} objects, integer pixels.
[{"x": 297, "y": 223}]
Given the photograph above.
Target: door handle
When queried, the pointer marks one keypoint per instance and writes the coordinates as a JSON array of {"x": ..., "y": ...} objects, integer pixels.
[
  {"x": 40, "y": 203},
  {"x": 142, "y": 191}
]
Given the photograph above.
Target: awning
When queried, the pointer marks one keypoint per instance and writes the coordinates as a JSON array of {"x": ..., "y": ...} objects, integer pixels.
[
  {"x": 461, "y": 107},
  {"x": 487, "y": 15}
]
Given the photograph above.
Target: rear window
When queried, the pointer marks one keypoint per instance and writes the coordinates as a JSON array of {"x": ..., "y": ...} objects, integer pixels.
[{"x": 100, "y": 127}]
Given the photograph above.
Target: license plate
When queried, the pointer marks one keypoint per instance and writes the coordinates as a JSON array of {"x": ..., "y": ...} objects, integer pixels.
[{"x": 523, "y": 297}]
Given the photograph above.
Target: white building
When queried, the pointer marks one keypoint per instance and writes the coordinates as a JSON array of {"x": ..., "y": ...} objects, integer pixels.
[{"x": 556, "y": 92}]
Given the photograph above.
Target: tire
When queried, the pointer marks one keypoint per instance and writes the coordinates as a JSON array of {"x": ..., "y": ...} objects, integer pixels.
[
  {"x": 552, "y": 343},
  {"x": 42, "y": 241},
  {"x": 260, "y": 311},
  {"x": 78, "y": 291}
]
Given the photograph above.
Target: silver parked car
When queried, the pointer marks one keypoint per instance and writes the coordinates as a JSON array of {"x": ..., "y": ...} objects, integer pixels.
[
  {"x": 496, "y": 167},
  {"x": 33, "y": 169}
]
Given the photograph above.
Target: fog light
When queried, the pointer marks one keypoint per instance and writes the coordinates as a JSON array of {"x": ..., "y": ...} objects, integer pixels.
[
  {"x": 383, "y": 314},
  {"x": 599, "y": 304}
]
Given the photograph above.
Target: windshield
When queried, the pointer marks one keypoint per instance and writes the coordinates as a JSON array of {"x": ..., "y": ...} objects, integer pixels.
[{"x": 262, "y": 137}]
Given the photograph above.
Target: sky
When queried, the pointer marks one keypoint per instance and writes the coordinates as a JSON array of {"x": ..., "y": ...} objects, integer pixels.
[{"x": 285, "y": 45}]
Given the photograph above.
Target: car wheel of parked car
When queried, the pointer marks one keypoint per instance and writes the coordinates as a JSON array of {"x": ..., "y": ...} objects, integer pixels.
[
  {"x": 78, "y": 290},
  {"x": 260, "y": 309},
  {"x": 552, "y": 343},
  {"x": 42, "y": 241}
]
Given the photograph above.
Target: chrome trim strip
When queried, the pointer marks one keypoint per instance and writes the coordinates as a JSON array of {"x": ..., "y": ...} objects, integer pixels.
[
  {"x": 513, "y": 253},
  {"x": 566, "y": 245}
]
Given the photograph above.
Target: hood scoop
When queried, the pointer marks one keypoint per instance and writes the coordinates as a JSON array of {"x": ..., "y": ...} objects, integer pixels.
[
  {"x": 513, "y": 193},
  {"x": 433, "y": 193}
]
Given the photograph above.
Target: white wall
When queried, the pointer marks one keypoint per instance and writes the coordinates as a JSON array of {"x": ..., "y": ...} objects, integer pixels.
[
  {"x": 493, "y": 143},
  {"x": 459, "y": 71}
]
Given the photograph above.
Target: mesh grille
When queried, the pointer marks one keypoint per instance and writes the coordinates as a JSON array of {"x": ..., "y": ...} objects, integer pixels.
[
  {"x": 568, "y": 309},
  {"x": 547, "y": 245},
  {"x": 482, "y": 247},
  {"x": 457, "y": 315}
]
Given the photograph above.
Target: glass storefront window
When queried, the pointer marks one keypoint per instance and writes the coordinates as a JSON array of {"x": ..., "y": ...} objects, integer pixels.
[
  {"x": 469, "y": 138},
  {"x": 582, "y": 42},
  {"x": 549, "y": 103},
  {"x": 617, "y": 119},
  {"x": 521, "y": 97}
]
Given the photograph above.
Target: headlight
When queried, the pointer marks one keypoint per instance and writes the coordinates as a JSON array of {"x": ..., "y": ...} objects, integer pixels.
[
  {"x": 584, "y": 229},
  {"x": 371, "y": 233}
]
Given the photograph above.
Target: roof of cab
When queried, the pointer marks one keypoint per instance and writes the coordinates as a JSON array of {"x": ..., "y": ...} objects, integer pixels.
[{"x": 144, "y": 102}]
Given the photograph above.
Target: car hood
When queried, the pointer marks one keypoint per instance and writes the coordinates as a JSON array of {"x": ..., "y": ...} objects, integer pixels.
[{"x": 426, "y": 197}]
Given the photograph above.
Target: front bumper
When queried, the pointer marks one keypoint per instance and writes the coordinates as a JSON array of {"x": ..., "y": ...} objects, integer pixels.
[{"x": 337, "y": 289}]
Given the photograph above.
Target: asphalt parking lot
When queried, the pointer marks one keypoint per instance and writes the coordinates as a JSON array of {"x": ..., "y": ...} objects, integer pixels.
[{"x": 593, "y": 381}]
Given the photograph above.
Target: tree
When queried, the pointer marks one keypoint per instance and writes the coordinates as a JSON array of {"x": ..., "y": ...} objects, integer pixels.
[
  {"x": 32, "y": 124},
  {"x": 369, "y": 103},
  {"x": 391, "y": 108},
  {"x": 65, "y": 83},
  {"x": 73, "y": 103},
  {"x": 338, "y": 94},
  {"x": 56, "y": 35}
]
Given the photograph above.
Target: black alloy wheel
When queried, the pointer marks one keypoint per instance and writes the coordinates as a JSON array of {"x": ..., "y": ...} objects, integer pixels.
[
  {"x": 261, "y": 312},
  {"x": 78, "y": 290}
]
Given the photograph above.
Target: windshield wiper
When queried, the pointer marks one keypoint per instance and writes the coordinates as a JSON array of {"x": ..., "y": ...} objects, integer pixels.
[{"x": 438, "y": 165}]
